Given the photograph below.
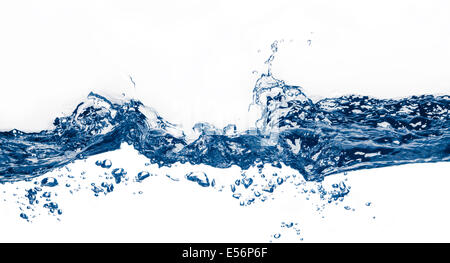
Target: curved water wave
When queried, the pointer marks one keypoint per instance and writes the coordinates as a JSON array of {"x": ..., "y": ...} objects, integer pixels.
[{"x": 317, "y": 139}]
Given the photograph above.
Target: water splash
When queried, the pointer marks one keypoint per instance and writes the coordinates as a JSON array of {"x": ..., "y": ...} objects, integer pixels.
[{"x": 330, "y": 136}]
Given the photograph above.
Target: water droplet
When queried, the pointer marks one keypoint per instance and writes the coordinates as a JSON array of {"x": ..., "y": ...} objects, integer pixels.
[
  {"x": 24, "y": 216},
  {"x": 199, "y": 177},
  {"x": 49, "y": 182},
  {"x": 142, "y": 175}
]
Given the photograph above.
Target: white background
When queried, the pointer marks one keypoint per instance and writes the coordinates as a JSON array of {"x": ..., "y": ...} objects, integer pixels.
[{"x": 191, "y": 60}]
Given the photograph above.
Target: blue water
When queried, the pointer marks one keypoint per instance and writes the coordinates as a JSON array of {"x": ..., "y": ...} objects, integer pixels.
[{"x": 329, "y": 136}]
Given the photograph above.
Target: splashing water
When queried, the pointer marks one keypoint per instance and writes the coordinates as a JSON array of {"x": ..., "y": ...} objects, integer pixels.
[{"x": 317, "y": 139}]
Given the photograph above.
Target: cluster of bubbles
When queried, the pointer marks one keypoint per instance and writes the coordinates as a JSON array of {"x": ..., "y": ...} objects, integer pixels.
[
  {"x": 259, "y": 184},
  {"x": 41, "y": 195},
  {"x": 287, "y": 228}
]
